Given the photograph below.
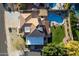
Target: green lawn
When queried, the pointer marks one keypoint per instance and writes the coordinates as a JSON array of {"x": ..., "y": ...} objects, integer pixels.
[{"x": 57, "y": 34}]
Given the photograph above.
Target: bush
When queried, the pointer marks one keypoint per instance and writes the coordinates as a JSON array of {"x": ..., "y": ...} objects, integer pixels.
[
  {"x": 69, "y": 49},
  {"x": 73, "y": 48},
  {"x": 54, "y": 50},
  {"x": 23, "y": 6}
]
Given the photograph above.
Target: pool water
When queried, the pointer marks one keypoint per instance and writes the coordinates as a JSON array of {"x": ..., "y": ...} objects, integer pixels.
[{"x": 52, "y": 17}]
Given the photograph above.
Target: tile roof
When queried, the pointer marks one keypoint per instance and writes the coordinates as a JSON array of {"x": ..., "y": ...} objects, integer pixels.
[
  {"x": 42, "y": 12},
  {"x": 25, "y": 15},
  {"x": 34, "y": 21}
]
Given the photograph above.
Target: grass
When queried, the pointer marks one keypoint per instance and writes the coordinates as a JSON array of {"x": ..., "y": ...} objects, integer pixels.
[{"x": 57, "y": 34}]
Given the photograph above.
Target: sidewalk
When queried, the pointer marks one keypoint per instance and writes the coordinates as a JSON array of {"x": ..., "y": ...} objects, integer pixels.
[{"x": 68, "y": 32}]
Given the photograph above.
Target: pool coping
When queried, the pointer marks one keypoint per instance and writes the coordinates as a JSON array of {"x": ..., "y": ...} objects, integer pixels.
[{"x": 57, "y": 22}]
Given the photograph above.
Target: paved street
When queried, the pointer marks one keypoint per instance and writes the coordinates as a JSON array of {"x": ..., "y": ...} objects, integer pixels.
[
  {"x": 3, "y": 41},
  {"x": 32, "y": 53}
]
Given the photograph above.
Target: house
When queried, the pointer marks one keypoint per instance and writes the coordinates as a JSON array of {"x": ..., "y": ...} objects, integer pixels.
[
  {"x": 43, "y": 12},
  {"x": 33, "y": 29}
]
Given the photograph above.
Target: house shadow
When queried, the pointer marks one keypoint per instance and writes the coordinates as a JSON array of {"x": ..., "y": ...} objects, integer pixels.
[{"x": 50, "y": 38}]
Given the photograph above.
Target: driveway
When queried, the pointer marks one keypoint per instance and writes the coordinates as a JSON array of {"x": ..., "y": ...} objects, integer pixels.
[
  {"x": 3, "y": 41},
  {"x": 32, "y": 53}
]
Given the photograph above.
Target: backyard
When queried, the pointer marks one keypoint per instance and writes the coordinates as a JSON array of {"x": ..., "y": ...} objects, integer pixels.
[{"x": 57, "y": 34}]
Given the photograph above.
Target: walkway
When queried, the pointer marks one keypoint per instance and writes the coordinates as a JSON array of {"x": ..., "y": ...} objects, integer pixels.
[{"x": 67, "y": 27}]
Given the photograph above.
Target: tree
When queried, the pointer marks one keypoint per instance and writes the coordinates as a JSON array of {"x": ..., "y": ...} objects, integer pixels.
[
  {"x": 69, "y": 49},
  {"x": 54, "y": 50},
  {"x": 74, "y": 21},
  {"x": 23, "y": 6},
  {"x": 67, "y": 5},
  {"x": 73, "y": 48}
]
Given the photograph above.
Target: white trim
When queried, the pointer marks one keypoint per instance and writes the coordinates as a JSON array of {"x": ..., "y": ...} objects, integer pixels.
[{"x": 57, "y": 22}]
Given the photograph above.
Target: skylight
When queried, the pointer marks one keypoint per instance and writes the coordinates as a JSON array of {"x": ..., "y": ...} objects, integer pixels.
[{"x": 27, "y": 29}]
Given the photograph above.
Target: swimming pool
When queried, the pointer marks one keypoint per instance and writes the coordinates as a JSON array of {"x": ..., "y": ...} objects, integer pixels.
[{"x": 54, "y": 18}]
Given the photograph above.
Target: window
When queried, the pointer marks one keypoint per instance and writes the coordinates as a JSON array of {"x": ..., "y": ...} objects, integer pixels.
[{"x": 27, "y": 29}]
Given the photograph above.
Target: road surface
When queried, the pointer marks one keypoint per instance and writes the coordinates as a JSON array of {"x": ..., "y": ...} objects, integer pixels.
[{"x": 3, "y": 41}]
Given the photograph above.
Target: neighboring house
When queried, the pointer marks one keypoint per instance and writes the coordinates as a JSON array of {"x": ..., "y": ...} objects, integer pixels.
[
  {"x": 56, "y": 6},
  {"x": 53, "y": 6},
  {"x": 40, "y": 5},
  {"x": 11, "y": 6},
  {"x": 34, "y": 28}
]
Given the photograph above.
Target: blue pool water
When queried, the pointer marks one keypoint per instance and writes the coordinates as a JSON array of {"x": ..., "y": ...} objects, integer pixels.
[{"x": 54, "y": 17}]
